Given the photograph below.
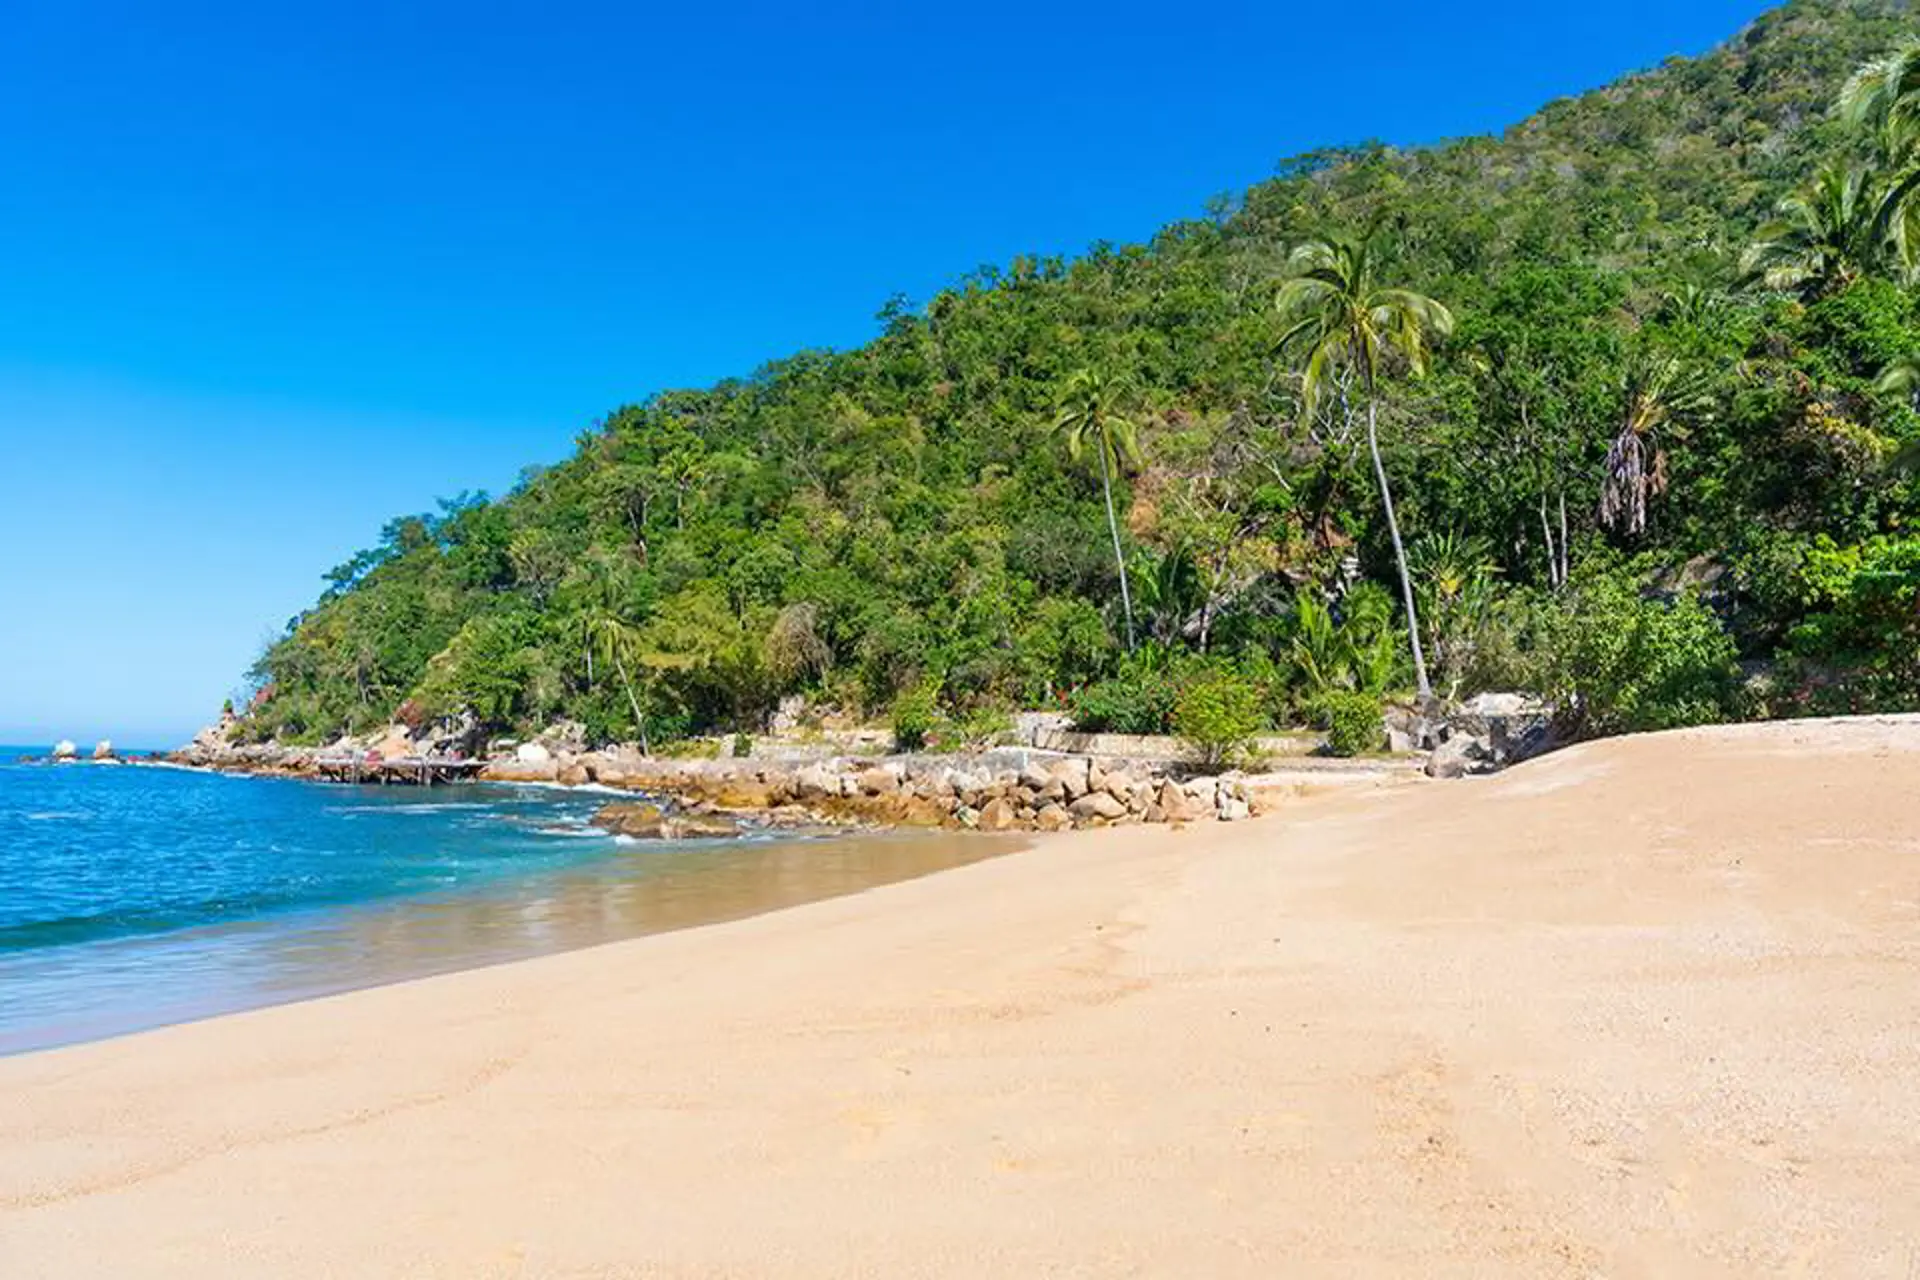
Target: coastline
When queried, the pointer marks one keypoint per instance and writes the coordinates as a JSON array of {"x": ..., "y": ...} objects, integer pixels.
[{"x": 1638, "y": 1007}]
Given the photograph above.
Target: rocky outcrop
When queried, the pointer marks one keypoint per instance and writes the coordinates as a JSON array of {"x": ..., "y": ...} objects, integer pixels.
[
  {"x": 651, "y": 822},
  {"x": 1013, "y": 789},
  {"x": 65, "y": 750},
  {"x": 1484, "y": 734}
]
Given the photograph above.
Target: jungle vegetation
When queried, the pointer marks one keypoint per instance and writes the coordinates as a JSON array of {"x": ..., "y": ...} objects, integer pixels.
[{"x": 1619, "y": 407}]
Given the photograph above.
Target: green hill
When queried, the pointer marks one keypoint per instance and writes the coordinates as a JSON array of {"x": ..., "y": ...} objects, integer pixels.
[{"x": 904, "y": 517}]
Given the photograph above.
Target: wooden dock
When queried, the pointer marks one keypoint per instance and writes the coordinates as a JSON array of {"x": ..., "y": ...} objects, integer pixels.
[{"x": 411, "y": 771}]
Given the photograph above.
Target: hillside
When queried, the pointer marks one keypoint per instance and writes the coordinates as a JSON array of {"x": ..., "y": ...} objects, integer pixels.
[{"x": 904, "y": 519}]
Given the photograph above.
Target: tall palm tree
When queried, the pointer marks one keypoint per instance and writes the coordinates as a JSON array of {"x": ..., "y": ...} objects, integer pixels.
[
  {"x": 1340, "y": 316},
  {"x": 1844, "y": 223},
  {"x": 619, "y": 647},
  {"x": 1089, "y": 417}
]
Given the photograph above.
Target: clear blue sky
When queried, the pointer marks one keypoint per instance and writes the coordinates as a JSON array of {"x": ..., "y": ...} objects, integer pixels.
[{"x": 272, "y": 273}]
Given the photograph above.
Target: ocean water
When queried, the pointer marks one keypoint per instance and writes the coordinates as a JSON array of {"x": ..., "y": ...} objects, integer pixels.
[{"x": 133, "y": 896}]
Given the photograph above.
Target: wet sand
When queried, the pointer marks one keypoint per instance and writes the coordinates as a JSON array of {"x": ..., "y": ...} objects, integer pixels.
[
  {"x": 65, "y": 995},
  {"x": 1643, "y": 1008}
]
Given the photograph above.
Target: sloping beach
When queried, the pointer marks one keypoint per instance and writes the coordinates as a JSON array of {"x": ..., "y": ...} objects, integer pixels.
[{"x": 1641, "y": 1008}]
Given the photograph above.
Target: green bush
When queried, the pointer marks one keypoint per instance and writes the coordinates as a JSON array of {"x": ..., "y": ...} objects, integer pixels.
[
  {"x": 1858, "y": 650},
  {"x": 1616, "y": 661},
  {"x": 1353, "y": 722},
  {"x": 1140, "y": 698},
  {"x": 1218, "y": 715},
  {"x": 916, "y": 713},
  {"x": 742, "y": 746}
]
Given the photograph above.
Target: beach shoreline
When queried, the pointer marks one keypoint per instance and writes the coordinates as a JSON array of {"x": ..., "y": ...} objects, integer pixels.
[{"x": 1639, "y": 1007}]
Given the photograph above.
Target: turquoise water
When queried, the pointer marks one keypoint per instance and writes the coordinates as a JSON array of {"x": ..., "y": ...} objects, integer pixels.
[{"x": 133, "y": 896}]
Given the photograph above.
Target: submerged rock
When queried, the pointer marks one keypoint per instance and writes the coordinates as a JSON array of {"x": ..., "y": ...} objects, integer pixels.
[{"x": 643, "y": 821}]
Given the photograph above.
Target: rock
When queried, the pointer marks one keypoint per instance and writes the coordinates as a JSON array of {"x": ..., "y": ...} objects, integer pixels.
[
  {"x": 532, "y": 753},
  {"x": 999, "y": 815},
  {"x": 65, "y": 750},
  {"x": 1072, "y": 774},
  {"x": 1234, "y": 810},
  {"x": 1458, "y": 756},
  {"x": 1502, "y": 705},
  {"x": 641, "y": 821},
  {"x": 1034, "y": 777},
  {"x": 1204, "y": 792},
  {"x": 1154, "y": 813},
  {"x": 815, "y": 781},
  {"x": 742, "y": 794},
  {"x": 878, "y": 781},
  {"x": 573, "y": 775},
  {"x": 514, "y": 771},
  {"x": 786, "y": 717},
  {"x": 1097, "y": 804},
  {"x": 697, "y": 826},
  {"x": 1176, "y": 805},
  {"x": 1052, "y": 818},
  {"x": 103, "y": 749}
]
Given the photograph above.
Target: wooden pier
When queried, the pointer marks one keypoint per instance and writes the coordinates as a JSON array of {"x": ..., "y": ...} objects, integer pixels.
[{"x": 411, "y": 771}]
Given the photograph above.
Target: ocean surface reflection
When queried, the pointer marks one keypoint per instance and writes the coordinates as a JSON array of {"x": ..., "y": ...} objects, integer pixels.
[{"x": 63, "y": 994}]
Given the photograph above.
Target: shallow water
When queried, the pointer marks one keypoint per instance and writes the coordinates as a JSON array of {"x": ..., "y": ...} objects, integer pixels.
[{"x": 132, "y": 897}]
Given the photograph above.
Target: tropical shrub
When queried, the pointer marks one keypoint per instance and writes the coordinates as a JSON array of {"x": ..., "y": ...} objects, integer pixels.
[
  {"x": 1217, "y": 716},
  {"x": 916, "y": 714},
  {"x": 1617, "y": 661},
  {"x": 1353, "y": 721}
]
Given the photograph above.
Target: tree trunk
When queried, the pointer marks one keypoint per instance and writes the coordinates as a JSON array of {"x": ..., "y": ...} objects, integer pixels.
[
  {"x": 1566, "y": 548},
  {"x": 1113, "y": 527},
  {"x": 639, "y": 719},
  {"x": 1424, "y": 685},
  {"x": 1553, "y": 556}
]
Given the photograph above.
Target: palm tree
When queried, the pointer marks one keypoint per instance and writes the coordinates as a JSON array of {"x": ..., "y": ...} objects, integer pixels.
[
  {"x": 1088, "y": 416},
  {"x": 1655, "y": 389},
  {"x": 1884, "y": 96},
  {"x": 1341, "y": 316},
  {"x": 1825, "y": 236},
  {"x": 619, "y": 647}
]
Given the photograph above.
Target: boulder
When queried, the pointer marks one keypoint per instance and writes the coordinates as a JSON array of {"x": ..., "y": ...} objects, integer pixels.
[
  {"x": 1204, "y": 792},
  {"x": 515, "y": 771},
  {"x": 65, "y": 750},
  {"x": 1072, "y": 774},
  {"x": 1052, "y": 818},
  {"x": 532, "y": 753},
  {"x": 573, "y": 775},
  {"x": 1097, "y": 804},
  {"x": 1176, "y": 805},
  {"x": 999, "y": 815},
  {"x": 1459, "y": 756},
  {"x": 880, "y": 780},
  {"x": 103, "y": 749},
  {"x": 698, "y": 826},
  {"x": 641, "y": 821},
  {"x": 1233, "y": 809},
  {"x": 815, "y": 782}
]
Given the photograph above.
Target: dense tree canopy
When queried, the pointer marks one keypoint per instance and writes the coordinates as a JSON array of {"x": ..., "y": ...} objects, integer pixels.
[{"x": 1665, "y": 431}]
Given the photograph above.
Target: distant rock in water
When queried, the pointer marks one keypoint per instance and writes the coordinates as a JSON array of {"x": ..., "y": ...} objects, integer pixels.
[
  {"x": 65, "y": 750},
  {"x": 103, "y": 749}
]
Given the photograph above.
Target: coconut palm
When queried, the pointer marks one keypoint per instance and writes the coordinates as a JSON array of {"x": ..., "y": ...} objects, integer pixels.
[
  {"x": 1339, "y": 316},
  {"x": 618, "y": 645},
  {"x": 1843, "y": 224},
  {"x": 1088, "y": 416}
]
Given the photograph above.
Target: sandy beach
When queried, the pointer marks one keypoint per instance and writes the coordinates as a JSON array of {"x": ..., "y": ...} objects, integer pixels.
[{"x": 1642, "y": 1008}]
